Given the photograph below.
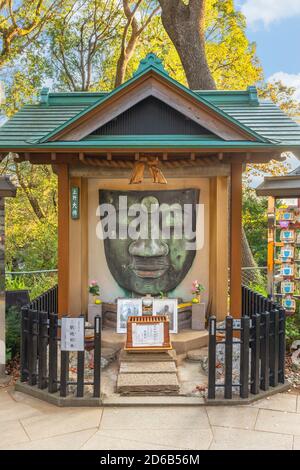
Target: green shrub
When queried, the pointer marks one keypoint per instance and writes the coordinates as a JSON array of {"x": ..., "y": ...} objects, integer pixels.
[
  {"x": 292, "y": 330},
  {"x": 13, "y": 332}
]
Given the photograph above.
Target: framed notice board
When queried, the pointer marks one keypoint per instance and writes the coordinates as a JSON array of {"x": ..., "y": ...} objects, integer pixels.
[{"x": 148, "y": 333}]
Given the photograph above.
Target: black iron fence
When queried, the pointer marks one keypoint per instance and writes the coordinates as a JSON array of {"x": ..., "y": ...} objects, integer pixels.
[
  {"x": 43, "y": 363},
  {"x": 247, "y": 355}
]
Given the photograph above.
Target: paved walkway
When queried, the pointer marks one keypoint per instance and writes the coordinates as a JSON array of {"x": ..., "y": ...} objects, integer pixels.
[{"x": 27, "y": 423}]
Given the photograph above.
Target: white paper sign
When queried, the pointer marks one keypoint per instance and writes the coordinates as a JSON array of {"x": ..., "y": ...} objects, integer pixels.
[
  {"x": 147, "y": 335},
  {"x": 72, "y": 334}
]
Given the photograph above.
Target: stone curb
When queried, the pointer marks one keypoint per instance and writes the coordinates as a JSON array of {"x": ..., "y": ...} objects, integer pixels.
[{"x": 55, "y": 399}]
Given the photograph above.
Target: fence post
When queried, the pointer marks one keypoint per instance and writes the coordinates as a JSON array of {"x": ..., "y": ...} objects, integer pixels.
[
  {"x": 64, "y": 372},
  {"x": 281, "y": 365},
  {"x": 80, "y": 371},
  {"x": 97, "y": 356},
  {"x": 32, "y": 346},
  {"x": 255, "y": 353},
  {"x": 24, "y": 345},
  {"x": 274, "y": 360},
  {"x": 52, "y": 385},
  {"x": 265, "y": 348},
  {"x": 42, "y": 347},
  {"x": 212, "y": 357},
  {"x": 244, "y": 357},
  {"x": 228, "y": 356}
]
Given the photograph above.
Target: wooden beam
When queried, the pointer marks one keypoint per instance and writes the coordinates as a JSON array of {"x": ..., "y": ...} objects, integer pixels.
[
  {"x": 235, "y": 240},
  {"x": 63, "y": 238}
]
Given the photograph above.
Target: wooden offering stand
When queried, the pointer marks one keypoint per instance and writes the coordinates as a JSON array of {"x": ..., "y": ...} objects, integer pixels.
[{"x": 142, "y": 331}]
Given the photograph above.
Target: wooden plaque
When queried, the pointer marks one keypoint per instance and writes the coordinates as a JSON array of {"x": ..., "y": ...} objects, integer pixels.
[{"x": 148, "y": 333}]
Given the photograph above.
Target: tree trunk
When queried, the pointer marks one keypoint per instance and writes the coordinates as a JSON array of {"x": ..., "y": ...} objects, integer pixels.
[{"x": 185, "y": 25}]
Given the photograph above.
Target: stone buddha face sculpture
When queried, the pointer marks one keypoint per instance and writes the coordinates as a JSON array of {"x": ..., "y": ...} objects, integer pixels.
[{"x": 146, "y": 238}]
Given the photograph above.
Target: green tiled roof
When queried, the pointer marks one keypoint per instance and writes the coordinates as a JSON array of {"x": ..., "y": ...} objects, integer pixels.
[{"x": 33, "y": 124}]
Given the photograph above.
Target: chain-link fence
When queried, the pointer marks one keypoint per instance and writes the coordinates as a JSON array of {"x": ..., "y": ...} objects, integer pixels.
[{"x": 255, "y": 278}]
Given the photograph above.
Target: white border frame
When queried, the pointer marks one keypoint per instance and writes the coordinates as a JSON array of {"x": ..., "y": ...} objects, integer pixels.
[
  {"x": 159, "y": 303},
  {"x": 136, "y": 301}
]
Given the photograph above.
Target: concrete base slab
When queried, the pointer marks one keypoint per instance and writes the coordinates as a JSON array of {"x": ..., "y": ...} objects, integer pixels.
[
  {"x": 187, "y": 340},
  {"x": 182, "y": 342}
]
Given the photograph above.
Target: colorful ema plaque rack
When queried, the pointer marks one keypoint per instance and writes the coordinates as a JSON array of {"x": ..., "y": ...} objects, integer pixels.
[
  {"x": 284, "y": 256},
  {"x": 148, "y": 333}
]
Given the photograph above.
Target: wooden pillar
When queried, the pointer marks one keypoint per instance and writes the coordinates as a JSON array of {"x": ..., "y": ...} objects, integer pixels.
[
  {"x": 236, "y": 240},
  {"x": 2, "y": 290},
  {"x": 63, "y": 238},
  {"x": 270, "y": 260},
  {"x": 218, "y": 243},
  {"x": 78, "y": 262}
]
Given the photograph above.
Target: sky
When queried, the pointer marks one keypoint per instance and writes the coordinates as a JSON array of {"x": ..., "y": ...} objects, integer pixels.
[{"x": 275, "y": 27}]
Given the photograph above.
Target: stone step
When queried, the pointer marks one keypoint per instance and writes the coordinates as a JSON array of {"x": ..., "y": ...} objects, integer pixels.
[
  {"x": 147, "y": 384},
  {"x": 147, "y": 368},
  {"x": 167, "y": 356}
]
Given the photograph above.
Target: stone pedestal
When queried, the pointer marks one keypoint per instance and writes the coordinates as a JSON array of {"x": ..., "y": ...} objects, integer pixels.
[
  {"x": 198, "y": 316},
  {"x": 93, "y": 311}
]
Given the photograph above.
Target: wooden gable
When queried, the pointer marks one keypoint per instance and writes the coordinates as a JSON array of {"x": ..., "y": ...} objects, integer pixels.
[
  {"x": 151, "y": 117},
  {"x": 151, "y": 84}
]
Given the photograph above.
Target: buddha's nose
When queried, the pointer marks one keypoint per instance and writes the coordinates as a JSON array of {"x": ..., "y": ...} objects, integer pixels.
[{"x": 148, "y": 248}]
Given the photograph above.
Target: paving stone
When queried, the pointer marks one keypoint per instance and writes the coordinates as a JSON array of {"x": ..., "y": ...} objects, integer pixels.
[
  {"x": 278, "y": 421},
  {"x": 149, "y": 418},
  {"x": 296, "y": 443},
  {"x": 232, "y": 416},
  {"x": 101, "y": 441},
  {"x": 71, "y": 441},
  {"x": 168, "y": 356},
  {"x": 63, "y": 421},
  {"x": 147, "y": 383},
  {"x": 278, "y": 402},
  {"x": 12, "y": 432},
  {"x": 240, "y": 439},
  {"x": 147, "y": 367},
  {"x": 156, "y": 439}
]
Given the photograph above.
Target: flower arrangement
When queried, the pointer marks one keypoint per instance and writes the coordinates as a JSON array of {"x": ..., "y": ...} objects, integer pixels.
[
  {"x": 94, "y": 288},
  {"x": 197, "y": 290}
]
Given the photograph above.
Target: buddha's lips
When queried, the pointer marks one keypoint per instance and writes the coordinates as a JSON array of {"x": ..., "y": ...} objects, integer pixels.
[{"x": 150, "y": 266}]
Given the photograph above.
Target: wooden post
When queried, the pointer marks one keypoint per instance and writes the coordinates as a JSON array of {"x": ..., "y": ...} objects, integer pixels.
[
  {"x": 235, "y": 240},
  {"x": 2, "y": 290},
  {"x": 270, "y": 262},
  {"x": 63, "y": 238},
  {"x": 218, "y": 252}
]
